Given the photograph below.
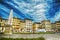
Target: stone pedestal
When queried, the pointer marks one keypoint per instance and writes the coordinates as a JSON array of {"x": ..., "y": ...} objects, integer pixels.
[{"x": 8, "y": 29}]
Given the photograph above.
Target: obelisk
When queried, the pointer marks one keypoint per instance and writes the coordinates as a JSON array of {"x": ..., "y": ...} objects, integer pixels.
[
  {"x": 10, "y": 19},
  {"x": 8, "y": 27}
]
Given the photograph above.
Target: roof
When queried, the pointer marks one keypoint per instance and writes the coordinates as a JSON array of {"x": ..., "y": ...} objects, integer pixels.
[
  {"x": 37, "y": 23},
  {"x": 22, "y": 21},
  {"x": 28, "y": 19},
  {"x": 52, "y": 23},
  {"x": 57, "y": 22},
  {"x": 46, "y": 20},
  {"x": 3, "y": 18},
  {"x": 0, "y": 17},
  {"x": 16, "y": 18}
]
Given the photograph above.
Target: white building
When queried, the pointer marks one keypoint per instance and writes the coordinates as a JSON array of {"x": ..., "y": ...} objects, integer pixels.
[{"x": 28, "y": 25}]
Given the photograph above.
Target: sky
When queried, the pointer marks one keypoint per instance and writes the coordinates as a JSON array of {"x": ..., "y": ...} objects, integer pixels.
[{"x": 37, "y": 10}]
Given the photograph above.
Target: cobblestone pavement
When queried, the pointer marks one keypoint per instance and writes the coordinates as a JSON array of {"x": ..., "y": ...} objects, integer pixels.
[{"x": 46, "y": 36}]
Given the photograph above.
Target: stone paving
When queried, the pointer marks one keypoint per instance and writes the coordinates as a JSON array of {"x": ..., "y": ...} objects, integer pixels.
[
  {"x": 46, "y": 36},
  {"x": 52, "y": 37}
]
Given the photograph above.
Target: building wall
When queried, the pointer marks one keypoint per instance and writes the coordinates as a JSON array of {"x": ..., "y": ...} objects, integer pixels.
[
  {"x": 16, "y": 24},
  {"x": 8, "y": 29},
  {"x": 36, "y": 26},
  {"x": 2, "y": 24},
  {"x": 28, "y": 24},
  {"x": 58, "y": 26},
  {"x": 53, "y": 27},
  {"x": 22, "y": 26},
  {"x": 46, "y": 25}
]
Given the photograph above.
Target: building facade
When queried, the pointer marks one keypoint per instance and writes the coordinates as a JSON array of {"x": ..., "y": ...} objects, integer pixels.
[
  {"x": 36, "y": 26},
  {"x": 53, "y": 27},
  {"x": 28, "y": 25},
  {"x": 57, "y": 26},
  {"x": 46, "y": 25},
  {"x": 16, "y": 24},
  {"x": 22, "y": 26},
  {"x": 2, "y": 24}
]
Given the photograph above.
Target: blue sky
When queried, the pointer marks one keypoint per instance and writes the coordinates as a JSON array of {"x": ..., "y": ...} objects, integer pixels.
[{"x": 37, "y": 10}]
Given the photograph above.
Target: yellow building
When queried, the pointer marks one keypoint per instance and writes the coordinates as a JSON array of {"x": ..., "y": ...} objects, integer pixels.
[
  {"x": 8, "y": 29},
  {"x": 53, "y": 27},
  {"x": 4, "y": 28},
  {"x": 36, "y": 26},
  {"x": 2, "y": 24},
  {"x": 16, "y": 24},
  {"x": 22, "y": 26},
  {"x": 57, "y": 25},
  {"x": 46, "y": 25}
]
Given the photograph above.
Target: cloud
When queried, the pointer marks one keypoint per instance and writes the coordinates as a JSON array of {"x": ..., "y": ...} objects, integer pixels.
[
  {"x": 36, "y": 8},
  {"x": 57, "y": 16}
]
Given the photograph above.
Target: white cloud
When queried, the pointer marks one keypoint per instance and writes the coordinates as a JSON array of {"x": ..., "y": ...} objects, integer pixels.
[
  {"x": 38, "y": 1},
  {"x": 41, "y": 5},
  {"x": 37, "y": 11},
  {"x": 41, "y": 11},
  {"x": 57, "y": 16}
]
